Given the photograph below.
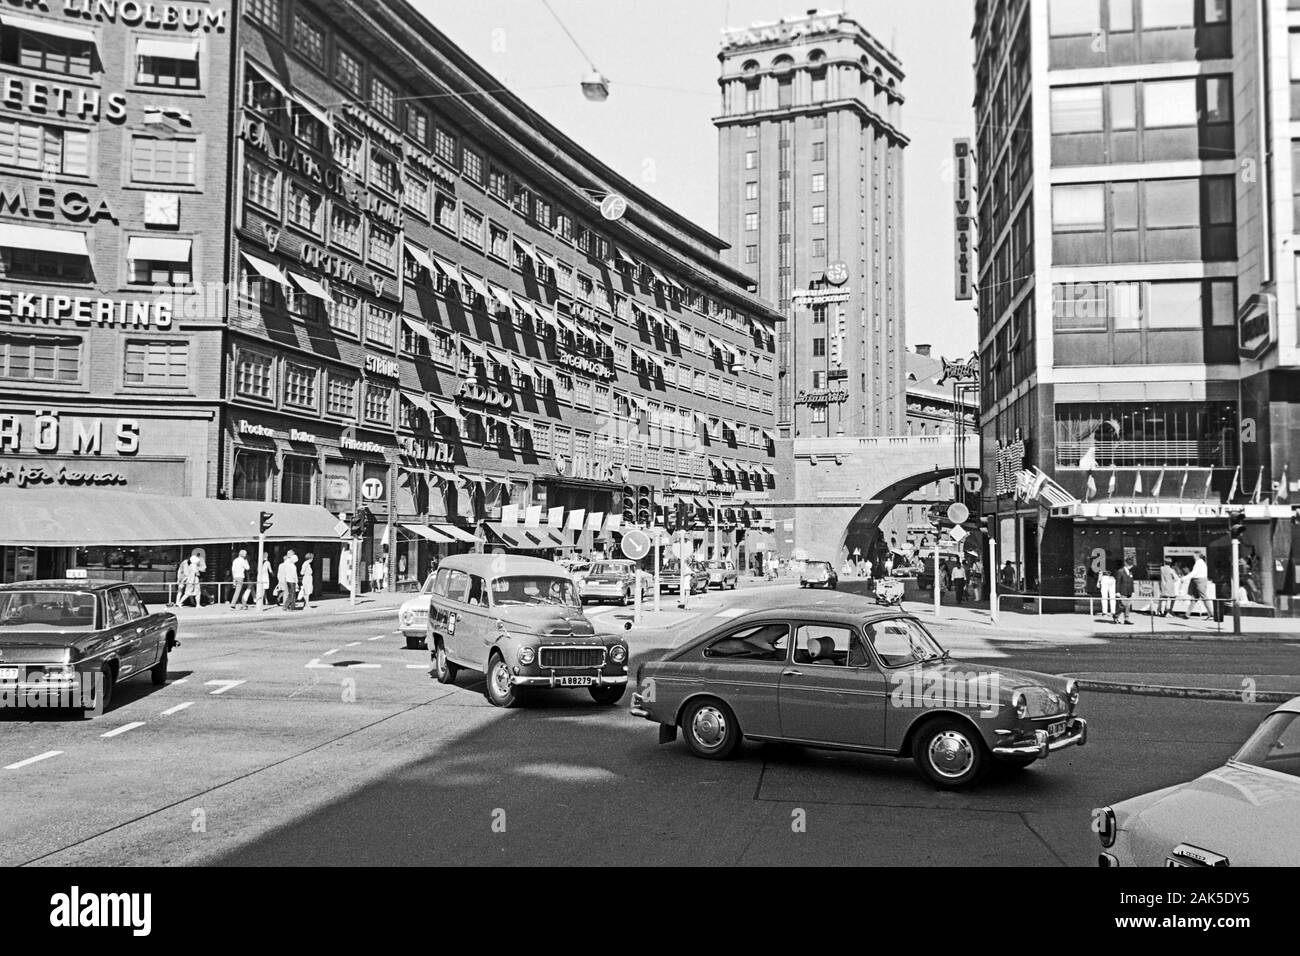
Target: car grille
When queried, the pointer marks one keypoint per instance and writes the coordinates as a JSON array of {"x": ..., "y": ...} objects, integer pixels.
[
  {"x": 571, "y": 657},
  {"x": 1043, "y": 702}
]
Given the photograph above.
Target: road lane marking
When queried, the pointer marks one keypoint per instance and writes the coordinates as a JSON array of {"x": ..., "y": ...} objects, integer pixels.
[
  {"x": 124, "y": 728},
  {"x": 315, "y": 662},
  {"x": 353, "y": 644},
  {"x": 328, "y": 653},
  {"x": 179, "y": 707},
  {"x": 223, "y": 685},
  {"x": 364, "y": 666},
  {"x": 31, "y": 760},
  {"x": 176, "y": 683},
  {"x": 379, "y": 638},
  {"x": 417, "y": 667}
]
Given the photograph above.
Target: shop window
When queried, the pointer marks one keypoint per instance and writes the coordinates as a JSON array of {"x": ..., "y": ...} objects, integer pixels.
[
  {"x": 252, "y": 475},
  {"x": 34, "y": 265}
]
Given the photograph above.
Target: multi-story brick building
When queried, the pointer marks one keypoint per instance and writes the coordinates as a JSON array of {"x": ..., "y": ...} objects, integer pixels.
[{"x": 426, "y": 311}]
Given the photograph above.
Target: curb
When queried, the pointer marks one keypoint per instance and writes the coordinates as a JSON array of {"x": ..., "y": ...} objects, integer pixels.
[
  {"x": 353, "y": 614},
  {"x": 1188, "y": 693}
]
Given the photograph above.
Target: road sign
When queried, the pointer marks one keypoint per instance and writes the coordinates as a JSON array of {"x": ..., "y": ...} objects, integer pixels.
[
  {"x": 372, "y": 489},
  {"x": 958, "y": 512},
  {"x": 341, "y": 529},
  {"x": 974, "y": 482},
  {"x": 613, "y": 206},
  {"x": 958, "y": 533},
  {"x": 636, "y": 545}
]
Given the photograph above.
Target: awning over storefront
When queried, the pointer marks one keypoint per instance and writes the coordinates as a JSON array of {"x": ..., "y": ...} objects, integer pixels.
[
  {"x": 84, "y": 517},
  {"x": 429, "y": 534},
  {"x": 156, "y": 249},
  {"x": 460, "y": 534},
  {"x": 50, "y": 28},
  {"x": 528, "y": 539},
  {"x": 14, "y": 236},
  {"x": 442, "y": 475}
]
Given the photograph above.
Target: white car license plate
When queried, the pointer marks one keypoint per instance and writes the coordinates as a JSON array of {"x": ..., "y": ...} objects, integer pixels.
[
  {"x": 573, "y": 681},
  {"x": 1056, "y": 729},
  {"x": 8, "y": 673}
]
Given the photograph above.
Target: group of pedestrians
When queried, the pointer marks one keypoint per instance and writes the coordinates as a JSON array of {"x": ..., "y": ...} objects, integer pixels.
[
  {"x": 1117, "y": 590},
  {"x": 294, "y": 582}
]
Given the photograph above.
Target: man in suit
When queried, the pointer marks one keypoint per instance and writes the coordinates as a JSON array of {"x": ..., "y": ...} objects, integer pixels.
[{"x": 1124, "y": 590}]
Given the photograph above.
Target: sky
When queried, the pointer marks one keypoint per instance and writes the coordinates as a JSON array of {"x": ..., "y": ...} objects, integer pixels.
[{"x": 656, "y": 127}]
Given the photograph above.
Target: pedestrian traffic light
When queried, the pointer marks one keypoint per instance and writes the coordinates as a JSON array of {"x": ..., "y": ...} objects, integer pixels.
[
  {"x": 645, "y": 505},
  {"x": 1237, "y": 524},
  {"x": 264, "y": 522},
  {"x": 629, "y": 505}
]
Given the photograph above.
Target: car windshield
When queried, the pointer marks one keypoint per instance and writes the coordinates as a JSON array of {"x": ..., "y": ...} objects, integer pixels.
[
  {"x": 531, "y": 589},
  {"x": 47, "y": 611},
  {"x": 610, "y": 567},
  {"x": 901, "y": 641},
  {"x": 1275, "y": 745},
  {"x": 819, "y": 566}
]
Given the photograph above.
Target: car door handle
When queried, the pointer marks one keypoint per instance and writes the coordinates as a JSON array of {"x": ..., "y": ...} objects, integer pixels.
[
  {"x": 139, "y": 630},
  {"x": 791, "y": 672}
]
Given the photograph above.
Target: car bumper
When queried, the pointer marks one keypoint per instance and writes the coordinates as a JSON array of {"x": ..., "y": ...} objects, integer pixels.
[
  {"x": 554, "y": 680},
  {"x": 1076, "y": 735},
  {"x": 638, "y": 707},
  {"x": 602, "y": 590}
]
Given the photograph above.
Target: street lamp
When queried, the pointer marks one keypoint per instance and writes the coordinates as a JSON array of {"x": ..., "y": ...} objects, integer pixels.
[{"x": 595, "y": 86}]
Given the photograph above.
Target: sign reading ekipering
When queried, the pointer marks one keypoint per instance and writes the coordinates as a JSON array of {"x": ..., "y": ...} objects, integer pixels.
[{"x": 963, "y": 221}]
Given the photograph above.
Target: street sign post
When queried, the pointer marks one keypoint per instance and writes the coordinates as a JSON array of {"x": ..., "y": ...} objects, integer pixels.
[{"x": 635, "y": 545}]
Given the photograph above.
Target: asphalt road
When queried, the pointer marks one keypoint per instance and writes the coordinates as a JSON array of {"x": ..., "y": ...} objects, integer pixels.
[{"x": 282, "y": 741}]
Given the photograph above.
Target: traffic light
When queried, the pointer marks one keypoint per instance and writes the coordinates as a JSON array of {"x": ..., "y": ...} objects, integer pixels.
[
  {"x": 629, "y": 505},
  {"x": 1237, "y": 524},
  {"x": 361, "y": 522},
  {"x": 264, "y": 522},
  {"x": 645, "y": 505}
]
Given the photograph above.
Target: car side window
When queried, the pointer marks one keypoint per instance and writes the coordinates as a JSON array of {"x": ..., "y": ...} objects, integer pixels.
[
  {"x": 440, "y": 582},
  {"x": 477, "y": 591},
  {"x": 457, "y": 586},
  {"x": 764, "y": 642},
  {"x": 134, "y": 606},
  {"x": 117, "y": 613},
  {"x": 829, "y": 644}
]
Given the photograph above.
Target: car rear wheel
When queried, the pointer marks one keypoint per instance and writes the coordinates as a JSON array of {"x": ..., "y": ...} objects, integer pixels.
[
  {"x": 607, "y": 694},
  {"x": 500, "y": 691},
  {"x": 949, "y": 753},
  {"x": 159, "y": 671},
  {"x": 443, "y": 669},
  {"x": 711, "y": 729},
  {"x": 104, "y": 692}
]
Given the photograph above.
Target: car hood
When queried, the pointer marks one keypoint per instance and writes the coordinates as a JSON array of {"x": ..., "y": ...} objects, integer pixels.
[
  {"x": 1237, "y": 811},
  {"x": 546, "y": 621},
  {"x": 418, "y": 603},
  {"x": 1045, "y": 693}
]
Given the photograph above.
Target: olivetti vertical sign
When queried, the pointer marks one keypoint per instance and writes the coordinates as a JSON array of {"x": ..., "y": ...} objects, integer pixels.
[{"x": 963, "y": 217}]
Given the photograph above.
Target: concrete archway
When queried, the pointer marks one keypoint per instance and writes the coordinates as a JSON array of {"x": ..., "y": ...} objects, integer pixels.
[{"x": 864, "y": 525}]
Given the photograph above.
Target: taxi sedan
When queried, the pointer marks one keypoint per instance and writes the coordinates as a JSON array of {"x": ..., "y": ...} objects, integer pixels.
[{"x": 855, "y": 678}]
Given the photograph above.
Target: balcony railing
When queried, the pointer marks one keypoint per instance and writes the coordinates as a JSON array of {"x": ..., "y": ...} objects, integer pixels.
[{"x": 1151, "y": 454}]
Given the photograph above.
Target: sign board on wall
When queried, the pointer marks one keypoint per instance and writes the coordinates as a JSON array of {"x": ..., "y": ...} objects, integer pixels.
[{"x": 963, "y": 219}]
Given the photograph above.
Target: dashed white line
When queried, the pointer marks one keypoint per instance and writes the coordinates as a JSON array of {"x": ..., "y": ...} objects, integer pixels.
[
  {"x": 176, "y": 683},
  {"x": 328, "y": 653},
  {"x": 31, "y": 760},
  {"x": 223, "y": 685},
  {"x": 417, "y": 667},
  {"x": 379, "y": 638},
  {"x": 357, "y": 667},
  {"x": 353, "y": 644},
  {"x": 177, "y": 709},
  {"x": 124, "y": 728}
]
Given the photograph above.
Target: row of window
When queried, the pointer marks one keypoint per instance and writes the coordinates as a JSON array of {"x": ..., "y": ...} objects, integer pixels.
[
  {"x": 43, "y": 148},
  {"x": 33, "y": 45},
  {"x": 1096, "y": 33},
  {"x": 143, "y": 268},
  {"x": 60, "y": 359}
]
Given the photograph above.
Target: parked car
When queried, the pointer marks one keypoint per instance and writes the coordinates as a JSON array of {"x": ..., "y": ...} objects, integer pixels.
[
  {"x": 854, "y": 678},
  {"x": 614, "y": 580},
  {"x": 670, "y": 577},
  {"x": 413, "y": 615},
  {"x": 723, "y": 574},
  {"x": 1242, "y": 814},
  {"x": 818, "y": 574},
  {"x": 71, "y": 642},
  {"x": 889, "y": 591},
  {"x": 519, "y": 621},
  {"x": 925, "y": 572}
]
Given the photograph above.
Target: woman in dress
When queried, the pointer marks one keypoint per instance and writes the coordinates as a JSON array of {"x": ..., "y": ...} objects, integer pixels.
[{"x": 306, "y": 577}]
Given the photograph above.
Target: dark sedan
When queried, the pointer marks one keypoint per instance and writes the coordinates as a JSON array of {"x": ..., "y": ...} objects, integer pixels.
[
  {"x": 819, "y": 574},
  {"x": 855, "y": 678},
  {"x": 68, "y": 643}
]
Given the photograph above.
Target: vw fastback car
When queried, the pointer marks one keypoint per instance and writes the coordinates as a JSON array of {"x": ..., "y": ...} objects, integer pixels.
[
  {"x": 69, "y": 642},
  {"x": 519, "y": 621},
  {"x": 854, "y": 678}
]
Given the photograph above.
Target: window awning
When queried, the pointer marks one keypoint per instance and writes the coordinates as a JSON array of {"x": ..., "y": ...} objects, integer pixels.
[
  {"x": 267, "y": 270},
  {"x": 526, "y": 307},
  {"x": 167, "y": 49},
  {"x": 460, "y": 534},
  {"x": 498, "y": 356},
  {"x": 550, "y": 260},
  {"x": 14, "y": 236},
  {"x": 321, "y": 116},
  {"x": 431, "y": 534},
  {"x": 419, "y": 401},
  {"x": 505, "y": 298},
  {"x": 568, "y": 325},
  {"x": 446, "y": 408},
  {"x": 450, "y": 270},
  {"x": 421, "y": 257},
  {"x": 155, "y": 249},
  {"x": 548, "y": 373},
  {"x": 50, "y": 28},
  {"x": 658, "y": 275},
  {"x": 474, "y": 348},
  {"x": 53, "y": 518},
  {"x": 478, "y": 285},
  {"x": 441, "y": 475},
  {"x": 528, "y": 539},
  {"x": 622, "y": 254},
  {"x": 526, "y": 248},
  {"x": 419, "y": 328},
  {"x": 523, "y": 365},
  {"x": 310, "y": 286}
]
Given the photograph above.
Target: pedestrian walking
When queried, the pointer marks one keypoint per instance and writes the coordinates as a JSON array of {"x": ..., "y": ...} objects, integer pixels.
[
  {"x": 306, "y": 578},
  {"x": 976, "y": 578},
  {"x": 1168, "y": 586},
  {"x": 182, "y": 578},
  {"x": 287, "y": 580},
  {"x": 1124, "y": 591},
  {"x": 959, "y": 580},
  {"x": 1198, "y": 587},
  {"x": 1008, "y": 582},
  {"x": 239, "y": 569},
  {"x": 1106, "y": 582},
  {"x": 263, "y": 581},
  {"x": 189, "y": 574}
]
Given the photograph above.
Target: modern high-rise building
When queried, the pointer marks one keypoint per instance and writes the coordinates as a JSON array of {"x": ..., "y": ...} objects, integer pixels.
[
  {"x": 1137, "y": 295},
  {"x": 810, "y": 203}
]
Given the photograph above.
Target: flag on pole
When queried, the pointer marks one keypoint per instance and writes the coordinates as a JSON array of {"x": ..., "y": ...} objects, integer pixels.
[
  {"x": 1137, "y": 485},
  {"x": 1259, "y": 486},
  {"x": 1091, "y": 491},
  {"x": 1160, "y": 480},
  {"x": 1232, "y": 492},
  {"x": 1209, "y": 475},
  {"x": 1183, "y": 486},
  {"x": 1110, "y": 485},
  {"x": 1088, "y": 460},
  {"x": 384, "y": 538},
  {"x": 1282, "y": 489}
]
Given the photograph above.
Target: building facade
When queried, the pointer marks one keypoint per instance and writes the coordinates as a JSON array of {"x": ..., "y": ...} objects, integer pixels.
[
  {"x": 414, "y": 303},
  {"x": 1137, "y": 287}
]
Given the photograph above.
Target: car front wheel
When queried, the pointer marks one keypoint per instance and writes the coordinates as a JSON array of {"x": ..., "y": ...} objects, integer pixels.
[
  {"x": 949, "y": 753},
  {"x": 711, "y": 729},
  {"x": 443, "y": 669},
  {"x": 500, "y": 691},
  {"x": 607, "y": 694}
]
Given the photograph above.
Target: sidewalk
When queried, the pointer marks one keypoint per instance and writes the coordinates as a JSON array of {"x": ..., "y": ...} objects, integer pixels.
[
  {"x": 368, "y": 605},
  {"x": 1263, "y": 689}
]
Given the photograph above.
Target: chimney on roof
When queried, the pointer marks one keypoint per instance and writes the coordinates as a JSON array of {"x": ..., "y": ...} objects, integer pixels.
[{"x": 923, "y": 350}]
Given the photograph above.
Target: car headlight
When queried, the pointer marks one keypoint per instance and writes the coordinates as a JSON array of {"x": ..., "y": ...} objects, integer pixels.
[
  {"x": 527, "y": 655},
  {"x": 1072, "y": 692},
  {"x": 1021, "y": 705},
  {"x": 1107, "y": 829},
  {"x": 407, "y": 618},
  {"x": 618, "y": 653}
]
